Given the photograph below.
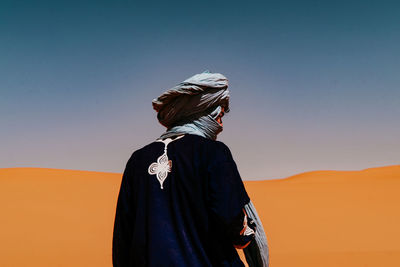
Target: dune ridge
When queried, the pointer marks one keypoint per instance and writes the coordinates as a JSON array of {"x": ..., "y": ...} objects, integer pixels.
[{"x": 53, "y": 217}]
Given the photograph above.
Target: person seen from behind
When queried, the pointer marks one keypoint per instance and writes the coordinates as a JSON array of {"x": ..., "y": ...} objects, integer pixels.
[{"x": 182, "y": 201}]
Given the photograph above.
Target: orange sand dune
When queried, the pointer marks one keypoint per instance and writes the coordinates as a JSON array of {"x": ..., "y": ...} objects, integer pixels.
[{"x": 61, "y": 218}]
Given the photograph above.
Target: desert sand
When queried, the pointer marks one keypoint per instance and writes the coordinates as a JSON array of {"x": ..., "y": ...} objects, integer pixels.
[{"x": 52, "y": 217}]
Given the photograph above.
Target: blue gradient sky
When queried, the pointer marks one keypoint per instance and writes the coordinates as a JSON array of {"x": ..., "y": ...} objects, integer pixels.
[{"x": 314, "y": 84}]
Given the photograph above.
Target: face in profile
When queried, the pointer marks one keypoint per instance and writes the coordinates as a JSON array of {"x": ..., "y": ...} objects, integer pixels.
[{"x": 220, "y": 115}]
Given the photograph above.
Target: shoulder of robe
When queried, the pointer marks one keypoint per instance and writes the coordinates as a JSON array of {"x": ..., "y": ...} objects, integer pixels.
[
  {"x": 139, "y": 152},
  {"x": 223, "y": 150},
  {"x": 131, "y": 159},
  {"x": 219, "y": 153}
]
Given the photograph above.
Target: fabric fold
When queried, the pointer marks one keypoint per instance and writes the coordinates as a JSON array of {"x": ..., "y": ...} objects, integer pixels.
[
  {"x": 192, "y": 98},
  {"x": 257, "y": 252},
  {"x": 205, "y": 126}
]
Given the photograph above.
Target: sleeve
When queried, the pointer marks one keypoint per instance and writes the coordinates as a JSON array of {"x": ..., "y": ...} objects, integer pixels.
[
  {"x": 124, "y": 217},
  {"x": 228, "y": 196},
  {"x": 244, "y": 232}
]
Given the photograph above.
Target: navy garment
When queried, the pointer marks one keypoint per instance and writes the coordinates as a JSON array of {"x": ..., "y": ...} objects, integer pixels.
[{"x": 193, "y": 221}]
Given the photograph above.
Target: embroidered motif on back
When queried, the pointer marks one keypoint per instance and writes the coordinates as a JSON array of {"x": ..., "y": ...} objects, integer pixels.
[{"x": 163, "y": 166}]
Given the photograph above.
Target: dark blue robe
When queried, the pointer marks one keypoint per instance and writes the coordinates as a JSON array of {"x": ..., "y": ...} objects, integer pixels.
[{"x": 193, "y": 221}]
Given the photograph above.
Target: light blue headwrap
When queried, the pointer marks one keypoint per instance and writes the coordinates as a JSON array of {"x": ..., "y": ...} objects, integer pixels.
[{"x": 193, "y": 105}]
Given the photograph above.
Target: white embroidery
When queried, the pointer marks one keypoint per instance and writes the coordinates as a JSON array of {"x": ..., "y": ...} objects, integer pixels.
[
  {"x": 163, "y": 166},
  {"x": 247, "y": 229}
]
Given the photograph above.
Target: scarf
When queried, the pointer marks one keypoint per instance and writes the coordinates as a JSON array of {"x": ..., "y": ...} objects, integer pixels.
[
  {"x": 205, "y": 126},
  {"x": 257, "y": 252}
]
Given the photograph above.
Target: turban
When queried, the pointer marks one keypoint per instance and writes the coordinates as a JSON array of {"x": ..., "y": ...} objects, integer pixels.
[{"x": 194, "y": 97}]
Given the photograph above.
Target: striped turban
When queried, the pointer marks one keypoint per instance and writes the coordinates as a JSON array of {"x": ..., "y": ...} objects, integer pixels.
[{"x": 192, "y": 98}]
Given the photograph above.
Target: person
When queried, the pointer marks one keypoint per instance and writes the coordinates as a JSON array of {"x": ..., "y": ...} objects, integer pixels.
[{"x": 182, "y": 201}]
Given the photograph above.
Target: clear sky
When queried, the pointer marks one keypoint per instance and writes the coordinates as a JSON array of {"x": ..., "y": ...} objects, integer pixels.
[{"x": 314, "y": 84}]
